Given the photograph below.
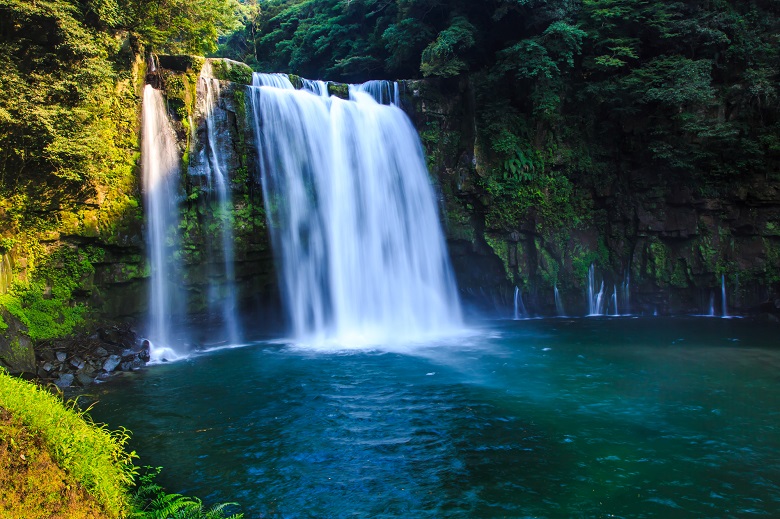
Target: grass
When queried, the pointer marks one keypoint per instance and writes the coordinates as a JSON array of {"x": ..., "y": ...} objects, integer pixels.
[
  {"x": 32, "y": 485},
  {"x": 89, "y": 453},
  {"x": 56, "y": 463}
]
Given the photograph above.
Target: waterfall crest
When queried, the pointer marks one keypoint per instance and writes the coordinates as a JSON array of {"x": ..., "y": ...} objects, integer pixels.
[{"x": 353, "y": 218}]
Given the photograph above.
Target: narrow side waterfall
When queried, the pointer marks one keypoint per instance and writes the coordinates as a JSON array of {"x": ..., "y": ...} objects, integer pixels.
[
  {"x": 218, "y": 182},
  {"x": 520, "y": 312},
  {"x": 712, "y": 304},
  {"x": 594, "y": 298},
  {"x": 615, "y": 309},
  {"x": 627, "y": 294},
  {"x": 724, "y": 307},
  {"x": 160, "y": 165},
  {"x": 558, "y": 303},
  {"x": 353, "y": 218}
]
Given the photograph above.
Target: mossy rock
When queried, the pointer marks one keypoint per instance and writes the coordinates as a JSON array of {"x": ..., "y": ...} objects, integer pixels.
[
  {"x": 229, "y": 70},
  {"x": 339, "y": 90},
  {"x": 16, "y": 349},
  {"x": 181, "y": 63}
]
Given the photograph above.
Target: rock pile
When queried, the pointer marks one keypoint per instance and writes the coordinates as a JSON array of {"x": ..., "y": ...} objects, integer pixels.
[{"x": 83, "y": 360}]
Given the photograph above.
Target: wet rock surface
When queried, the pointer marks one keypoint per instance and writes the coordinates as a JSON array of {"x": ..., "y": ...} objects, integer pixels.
[{"x": 82, "y": 360}]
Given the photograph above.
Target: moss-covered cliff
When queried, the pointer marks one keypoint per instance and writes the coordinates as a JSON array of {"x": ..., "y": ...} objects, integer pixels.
[
  {"x": 540, "y": 220},
  {"x": 183, "y": 81}
]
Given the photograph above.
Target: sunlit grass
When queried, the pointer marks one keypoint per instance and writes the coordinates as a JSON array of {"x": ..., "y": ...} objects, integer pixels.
[{"x": 89, "y": 453}]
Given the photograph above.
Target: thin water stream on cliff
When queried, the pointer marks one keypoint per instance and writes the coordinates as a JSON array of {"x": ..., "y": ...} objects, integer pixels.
[{"x": 589, "y": 417}]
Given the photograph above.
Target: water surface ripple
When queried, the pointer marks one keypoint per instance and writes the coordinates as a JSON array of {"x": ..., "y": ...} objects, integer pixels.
[{"x": 544, "y": 418}]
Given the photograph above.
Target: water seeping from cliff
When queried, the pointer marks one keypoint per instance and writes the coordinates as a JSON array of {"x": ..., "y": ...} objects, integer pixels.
[
  {"x": 559, "y": 310},
  {"x": 595, "y": 299},
  {"x": 353, "y": 218},
  {"x": 160, "y": 164},
  {"x": 223, "y": 303},
  {"x": 724, "y": 306},
  {"x": 519, "y": 307}
]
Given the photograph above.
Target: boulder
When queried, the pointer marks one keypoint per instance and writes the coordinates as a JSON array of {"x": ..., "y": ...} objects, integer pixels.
[
  {"x": 16, "y": 349},
  {"x": 84, "y": 379},
  {"x": 65, "y": 380},
  {"x": 111, "y": 363}
]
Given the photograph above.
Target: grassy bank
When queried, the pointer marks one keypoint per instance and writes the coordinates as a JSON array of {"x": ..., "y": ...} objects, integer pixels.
[{"x": 56, "y": 462}]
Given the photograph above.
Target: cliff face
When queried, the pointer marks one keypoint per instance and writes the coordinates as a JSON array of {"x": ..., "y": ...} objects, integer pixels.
[
  {"x": 658, "y": 242},
  {"x": 222, "y": 130},
  {"x": 673, "y": 241}
]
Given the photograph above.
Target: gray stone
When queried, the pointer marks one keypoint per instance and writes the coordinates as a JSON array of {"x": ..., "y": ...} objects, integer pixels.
[
  {"x": 101, "y": 352},
  {"x": 65, "y": 380},
  {"x": 77, "y": 362},
  {"x": 47, "y": 366},
  {"x": 84, "y": 379},
  {"x": 61, "y": 356},
  {"x": 111, "y": 363},
  {"x": 128, "y": 354}
]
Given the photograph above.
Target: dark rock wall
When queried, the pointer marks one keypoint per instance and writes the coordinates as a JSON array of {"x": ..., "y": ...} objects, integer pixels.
[
  {"x": 200, "y": 227},
  {"x": 671, "y": 241}
]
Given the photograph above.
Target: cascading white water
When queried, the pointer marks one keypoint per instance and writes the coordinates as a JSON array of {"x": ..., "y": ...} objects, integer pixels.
[
  {"x": 594, "y": 299},
  {"x": 383, "y": 92},
  {"x": 627, "y": 294},
  {"x": 712, "y": 304},
  {"x": 272, "y": 80},
  {"x": 558, "y": 303},
  {"x": 160, "y": 163},
  {"x": 317, "y": 87},
  {"x": 724, "y": 306},
  {"x": 615, "y": 310},
  {"x": 362, "y": 258},
  {"x": 520, "y": 312},
  {"x": 218, "y": 180}
]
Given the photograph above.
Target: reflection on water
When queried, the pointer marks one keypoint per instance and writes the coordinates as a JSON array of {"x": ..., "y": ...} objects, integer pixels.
[{"x": 545, "y": 418}]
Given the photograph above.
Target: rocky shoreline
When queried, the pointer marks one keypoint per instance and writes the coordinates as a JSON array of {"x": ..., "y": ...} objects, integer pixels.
[{"x": 83, "y": 360}]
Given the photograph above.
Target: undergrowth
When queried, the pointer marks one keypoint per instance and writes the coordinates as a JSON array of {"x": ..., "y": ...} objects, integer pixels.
[
  {"x": 91, "y": 453},
  {"x": 96, "y": 457}
]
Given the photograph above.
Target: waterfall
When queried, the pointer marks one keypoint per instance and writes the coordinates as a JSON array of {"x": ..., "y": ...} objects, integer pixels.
[
  {"x": 160, "y": 163},
  {"x": 724, "y": 307},
  {"x": 273, "y": 80},
  {"x": 616, "y": 312},
  {"x": 520, "y": 312},
  {"x": 319, "y": 88},
  {"x": 712, "y": 304},
  {"x": 383, "y": 92},
  {"x": 558, "y": 303},
  {"x": 353, "y": 218},
  {"x": 594, "y": 299},
  {"x": 627, "y": 294},
  {"x": 218, "y": 181}
]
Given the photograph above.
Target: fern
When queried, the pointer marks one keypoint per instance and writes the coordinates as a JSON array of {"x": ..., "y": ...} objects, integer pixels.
[{"x": 152, "y": 502}]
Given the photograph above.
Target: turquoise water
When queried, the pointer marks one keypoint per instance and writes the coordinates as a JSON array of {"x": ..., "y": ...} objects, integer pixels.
[{"x": 648, "y": 417}]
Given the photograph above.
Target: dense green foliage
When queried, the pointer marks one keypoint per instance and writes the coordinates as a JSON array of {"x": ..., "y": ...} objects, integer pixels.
[
  {"x": 572, "y": 96},
  {"x": 69, "y": 99}
]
